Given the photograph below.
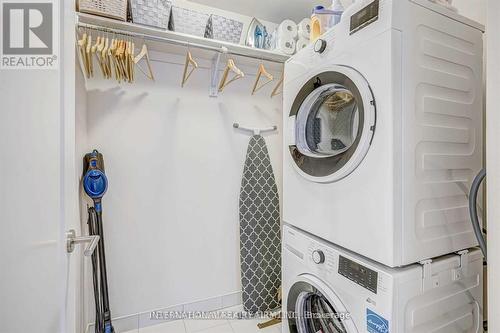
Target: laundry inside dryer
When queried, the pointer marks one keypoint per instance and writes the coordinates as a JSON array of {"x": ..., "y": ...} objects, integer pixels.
[
  {"x": 314, "y": 312},
  {"x": 332, "y": 122}
]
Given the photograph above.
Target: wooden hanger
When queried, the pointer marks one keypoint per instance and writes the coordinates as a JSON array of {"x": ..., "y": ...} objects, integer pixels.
[
  {"x": 144, "y": 54},
  {"x": 105, "y": 58},
  {"x": 82, "y": 48},
  {"x": 88, "y": 55},
  {"x": 101, "y": 57},
  {"x": 116, "y": 65},
  {"x": 194, "y": 65},
  {"x": 238, "y": 74},
  {"x": 130, "y": 61},
  {"x": 119, "y": 56},
  {"x": 261, "y": 72},
  {"x": 276, "y": 90},
  {"x": 111, "y": 55},
  {"x": 96, "y": 51}
]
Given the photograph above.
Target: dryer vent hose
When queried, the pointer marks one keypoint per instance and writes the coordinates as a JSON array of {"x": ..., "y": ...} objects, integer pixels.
[{"x": 473, "y": 211}]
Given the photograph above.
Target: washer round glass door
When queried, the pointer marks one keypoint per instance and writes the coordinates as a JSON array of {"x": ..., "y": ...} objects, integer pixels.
[
  {"x": 316, "y": 308},
  {"x": 333, "y": 121}
]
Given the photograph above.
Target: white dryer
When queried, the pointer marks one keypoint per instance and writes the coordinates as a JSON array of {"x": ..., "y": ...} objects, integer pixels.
[
  {"x": 327, "y": 289},
  {"x": 383, "y": 131}
]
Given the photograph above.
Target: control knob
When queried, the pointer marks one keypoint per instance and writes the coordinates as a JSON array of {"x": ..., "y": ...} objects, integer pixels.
[
  {"x": 320, "y": 46},
  {"x": 318, "y": 257}
]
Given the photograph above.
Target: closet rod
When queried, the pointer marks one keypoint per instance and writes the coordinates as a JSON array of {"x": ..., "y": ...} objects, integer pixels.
[{"x": 221, "y": 49}]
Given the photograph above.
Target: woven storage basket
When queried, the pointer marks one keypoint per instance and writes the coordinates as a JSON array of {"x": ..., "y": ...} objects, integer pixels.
[
  {"x": 224, "y": 29},
  {"x": 188, "y": 21},
  {"x": 155, "y": 13},
  {"x": 116, "y": 9}
]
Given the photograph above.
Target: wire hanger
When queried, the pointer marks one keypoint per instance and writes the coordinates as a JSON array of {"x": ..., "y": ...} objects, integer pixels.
[
  {"x": 144, "y": 54},
  {"x": 276, "y": 91},
  {"x": 238, "y": 74},
  {"x": 261, "y": 72},
  {"x": 189, "y": 61}
]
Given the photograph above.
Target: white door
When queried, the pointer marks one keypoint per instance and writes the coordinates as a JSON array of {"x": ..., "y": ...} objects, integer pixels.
[{"x": 37, "y": 195}]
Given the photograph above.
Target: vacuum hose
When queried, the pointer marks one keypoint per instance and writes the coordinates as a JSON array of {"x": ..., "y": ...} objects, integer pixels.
[{"x": 473, "y": 211}]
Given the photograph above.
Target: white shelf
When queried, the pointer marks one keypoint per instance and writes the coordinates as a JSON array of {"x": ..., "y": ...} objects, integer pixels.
[{"x": 160, "y": 35}]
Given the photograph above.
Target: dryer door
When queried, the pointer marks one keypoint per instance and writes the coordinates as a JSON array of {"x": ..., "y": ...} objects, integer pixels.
[
  {"x": 313, "y": 307},
  {"x": 331, "y": 124}
]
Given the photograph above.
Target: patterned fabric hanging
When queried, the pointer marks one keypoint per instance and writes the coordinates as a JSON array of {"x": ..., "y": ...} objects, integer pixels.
[{"x": 260, "y": 238}]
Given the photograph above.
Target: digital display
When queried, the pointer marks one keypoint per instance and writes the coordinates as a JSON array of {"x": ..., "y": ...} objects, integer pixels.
[
  {"x": 365, "y": 16},
  {"x": 359, "y": 274}
]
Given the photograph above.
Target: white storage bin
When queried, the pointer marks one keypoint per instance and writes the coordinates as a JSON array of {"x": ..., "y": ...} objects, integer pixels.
[
  {"x": 155, "y": 13},
  {"x": 116, "y": 9},
  {"x": 188, "y": 21},
  {"x": 224, "y": 29}
]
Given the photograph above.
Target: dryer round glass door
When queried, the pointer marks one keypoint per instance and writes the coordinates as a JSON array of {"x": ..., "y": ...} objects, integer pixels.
[
  {"x": 332, "y": 122},
  {"x": 312, "y": 307}
]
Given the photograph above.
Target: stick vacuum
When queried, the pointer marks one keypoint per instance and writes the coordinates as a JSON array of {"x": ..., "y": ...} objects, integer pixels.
[{"x": 95, "y": 185}]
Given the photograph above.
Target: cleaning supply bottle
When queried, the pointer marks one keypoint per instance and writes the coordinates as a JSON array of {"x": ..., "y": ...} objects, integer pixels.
[
  {"x": 323, "y": 19},
  {"x": 338, "y": 10}
]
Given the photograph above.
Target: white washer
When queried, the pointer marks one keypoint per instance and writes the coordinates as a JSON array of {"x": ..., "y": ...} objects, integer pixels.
[
  {"x": 383, "y": 131},
  {"x": 361, "y": 295}
]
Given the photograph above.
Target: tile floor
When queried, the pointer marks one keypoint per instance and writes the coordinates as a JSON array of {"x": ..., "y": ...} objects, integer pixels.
[{"x": 210, "y": 326}]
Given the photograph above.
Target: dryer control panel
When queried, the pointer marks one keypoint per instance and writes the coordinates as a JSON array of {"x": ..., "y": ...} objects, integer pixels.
[{"x": 359, "y": 274}]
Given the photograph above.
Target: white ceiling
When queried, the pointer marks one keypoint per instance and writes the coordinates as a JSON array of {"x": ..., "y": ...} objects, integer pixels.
[{"x": 269, "y": 10}]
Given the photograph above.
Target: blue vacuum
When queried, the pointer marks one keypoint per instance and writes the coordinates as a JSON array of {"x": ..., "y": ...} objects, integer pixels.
[{"x": 95, "y": 184}]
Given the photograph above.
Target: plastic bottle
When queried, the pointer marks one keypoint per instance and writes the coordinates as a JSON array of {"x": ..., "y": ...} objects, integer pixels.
[
  {"x": 338, "y": 10},
  {"x": 323, "y": 19}
]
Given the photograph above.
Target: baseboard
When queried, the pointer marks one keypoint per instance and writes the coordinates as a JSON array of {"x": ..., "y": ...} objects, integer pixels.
[{"x": 140, "y": 320}]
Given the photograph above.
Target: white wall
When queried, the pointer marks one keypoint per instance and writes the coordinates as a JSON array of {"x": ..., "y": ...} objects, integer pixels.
[
  {"x": 474, "y": 9},
  {"x": 174, "y": 164}
]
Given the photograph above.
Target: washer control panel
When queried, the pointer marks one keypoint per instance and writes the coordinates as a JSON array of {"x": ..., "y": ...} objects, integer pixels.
[{"x": 359, "y": 274}]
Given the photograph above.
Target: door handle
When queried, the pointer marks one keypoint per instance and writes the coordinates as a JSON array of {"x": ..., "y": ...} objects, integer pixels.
[{"x": 71, "y": 240}]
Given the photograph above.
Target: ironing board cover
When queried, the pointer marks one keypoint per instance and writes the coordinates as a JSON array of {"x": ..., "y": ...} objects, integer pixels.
[{"x": 260, "y": 241}]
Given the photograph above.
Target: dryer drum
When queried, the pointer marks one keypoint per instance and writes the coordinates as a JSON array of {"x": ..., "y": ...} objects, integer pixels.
[
  {"x": 315, "y": 314},
  {"x": 310, "y": 310},
  {"x": 333, "y": 124}
]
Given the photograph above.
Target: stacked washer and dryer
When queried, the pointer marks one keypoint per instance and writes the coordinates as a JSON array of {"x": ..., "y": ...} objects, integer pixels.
[{"x": 383, "y": 136}]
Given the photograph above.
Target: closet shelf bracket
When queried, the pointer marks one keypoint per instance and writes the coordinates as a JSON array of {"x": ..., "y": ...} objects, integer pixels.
[{"x": 214, "y": 72}]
